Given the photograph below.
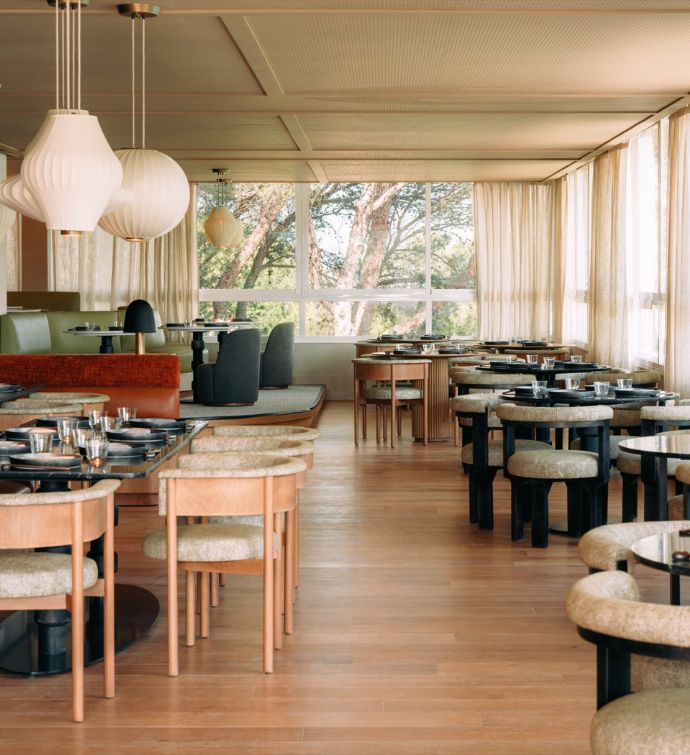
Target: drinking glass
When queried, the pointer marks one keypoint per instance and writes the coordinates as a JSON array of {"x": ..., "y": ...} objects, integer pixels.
[
  {"x": 96, "y": 450},
  {"x": 110, "y": 423},
  {"x": 549, "y": 362},
  {"x": 125, "y": 413},
  {"x": 624, "y": 382},
  {"x": 577, "y": 358},
  {"x": 601, "y": 388},
  {"x": 82, "y": 434},
  {"x": 571, "y": 383},
  {"x": 65, "y": 428},
  {"x": 41, "y": 443},
  {"x": 427, "y": 348},
  {"x": 532, "y": 358},
  {"x": 539, "y": 388},
  {"x": 95, "y": 418},
  {"x": 510, "y": 358}
]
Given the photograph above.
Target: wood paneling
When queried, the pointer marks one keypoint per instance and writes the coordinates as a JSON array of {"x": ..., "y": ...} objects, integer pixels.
[{"x": 415, "y": 633}]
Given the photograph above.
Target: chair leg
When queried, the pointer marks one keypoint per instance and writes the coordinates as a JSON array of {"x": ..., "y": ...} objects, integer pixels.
[
  {"x": 577, "y": 516},
  {"x": 540, "y": 513},
  {"x": 629, "y": 497},
  {"x": 269, "y": 598},
  {"x": 279, "y": 602},
  {"x": 296, "y": 550},
  {"x": 109, "y": 609},
  {"x": 472, "y": 484},
  {"x": 517, "y": 527},
  {"x": 364, "y": 420},
  {"x": 214, "y": 590},
  {"x": 290, "y": 564},
  {"x": 221, "y": 580},
  {"x": 484, "y": 492},
  {"x": 190, "y": 608},
  {"x": 205, "y": 603}
]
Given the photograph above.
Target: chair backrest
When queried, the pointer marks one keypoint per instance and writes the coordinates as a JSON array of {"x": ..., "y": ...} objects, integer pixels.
[
  {"x": 234, "y": 484},
  {"x": 42, "y": 520},
  {"x": 640, "y": 378},
  {"x": 269, "y": 431},
  {"x": 607, "y": 610},
  {"x": 468, "y": 379},
  {"x": 236, "y": 373},
  {"x": 151, "y": 340},
  {"x": 654, "y": 419},
  {"x": 277, "y": 359}
]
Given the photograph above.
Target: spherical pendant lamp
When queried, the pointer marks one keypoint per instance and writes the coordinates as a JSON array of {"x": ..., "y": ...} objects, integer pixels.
[
  {"x": 71, "y": 172},
  {"x": 223, "y": 229},
  {"x": 161, "y": 196}
]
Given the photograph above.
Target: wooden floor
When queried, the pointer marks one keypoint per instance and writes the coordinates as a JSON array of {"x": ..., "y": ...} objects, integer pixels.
[{"x": 415, "y": 634}]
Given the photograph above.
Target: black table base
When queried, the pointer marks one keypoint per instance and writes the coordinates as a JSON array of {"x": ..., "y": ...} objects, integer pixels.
[{"x": 32, "y": 648}]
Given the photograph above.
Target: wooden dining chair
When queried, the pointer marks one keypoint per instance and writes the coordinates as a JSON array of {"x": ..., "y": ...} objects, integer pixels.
[
  {"x": 38, "y": 581},
  {"x": 389, "y": 394},
  {"x": 235, "y": 485}
]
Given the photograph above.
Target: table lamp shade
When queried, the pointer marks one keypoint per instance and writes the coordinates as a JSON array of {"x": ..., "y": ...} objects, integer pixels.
[{"x": 139, "y": 317}]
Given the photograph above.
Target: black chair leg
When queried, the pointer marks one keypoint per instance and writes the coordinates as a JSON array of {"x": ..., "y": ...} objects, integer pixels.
[
  {"x": 576, "y": 514},
  {"x": 485, "y": 502},
  {"x": 629, "y": 497},
  {"x": 472, "y": 483},
  {"x": 517, "y": 507},
  {"x": 540, "y": 513}
]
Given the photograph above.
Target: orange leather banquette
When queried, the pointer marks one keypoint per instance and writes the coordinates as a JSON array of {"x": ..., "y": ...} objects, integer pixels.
[{"x": 150, "y": 382}]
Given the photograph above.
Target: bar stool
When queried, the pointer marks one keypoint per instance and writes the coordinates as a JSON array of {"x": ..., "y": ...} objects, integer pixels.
[
  {"x": 532, "y": 473},
  {"x": 390, "y": 371}
]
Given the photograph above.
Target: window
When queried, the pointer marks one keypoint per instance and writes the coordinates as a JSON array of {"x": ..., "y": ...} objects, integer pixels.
[{"x": 345, "y": 260}]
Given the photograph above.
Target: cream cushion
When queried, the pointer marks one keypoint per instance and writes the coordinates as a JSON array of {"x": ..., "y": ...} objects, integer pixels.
[
  {"x": 243, "y": 431},
  {"x": 28, "y": 406},
  {"x": 495, "y": 448},
  {"x": 277, "y": 446},
  {"x": 211, "y": 542},
  {"x": 554, "y": 465},
  {"x": 614, "y": 440},
  {"x": 28, "y": 574},
  {"x": 515, "y": 413},
  {"x": 645, "y": 723},
  {"x": 490, "y": 378},
  {"x": 383, "y": 393},
  {"x": 632, "y": 464},
  {"x": 475, "y": 403},
  {"x": 683, "y": 472},
  {"x": 603, "y": 547}
]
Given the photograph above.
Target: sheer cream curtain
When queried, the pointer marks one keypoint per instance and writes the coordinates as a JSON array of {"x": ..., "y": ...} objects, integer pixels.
[
  {"x": 609, "y": 279},
  {"x": 513, "y": 225},
  {"x": 109, "y": 272},
  {"x": 677, "y": 365}
]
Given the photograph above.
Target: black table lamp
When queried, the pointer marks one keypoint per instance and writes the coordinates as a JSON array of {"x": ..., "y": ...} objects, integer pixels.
[{"x": 139, "y": 319}]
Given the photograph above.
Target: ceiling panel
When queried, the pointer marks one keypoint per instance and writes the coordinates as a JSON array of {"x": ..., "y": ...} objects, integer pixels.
[
  {"x": 446, "y": 53},
  {"x": 440, "y": 170},
  {"x": 250, "y": 170},
  {"x": 465, "y": 131}
]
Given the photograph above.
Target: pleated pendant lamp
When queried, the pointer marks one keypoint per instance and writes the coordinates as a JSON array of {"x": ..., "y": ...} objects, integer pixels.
[
  {"x": 69, "y": 174},
  {"x": 158, "y": 184}
]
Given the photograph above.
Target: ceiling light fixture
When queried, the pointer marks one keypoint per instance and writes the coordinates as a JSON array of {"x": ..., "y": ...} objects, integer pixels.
[
  {"x": 159, "y": 185},
  {"x": 222, "y": 228},
  {"x": 69, "y": 173}
]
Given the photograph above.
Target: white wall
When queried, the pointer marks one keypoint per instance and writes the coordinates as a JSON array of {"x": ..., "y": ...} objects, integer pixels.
[{"x": 326, "y": 363}]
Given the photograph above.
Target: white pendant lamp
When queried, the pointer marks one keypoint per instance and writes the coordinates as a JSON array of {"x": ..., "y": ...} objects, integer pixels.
[
  {"x": 69, "y": 173},
  {"x": 159, "y": 186},
  {"x": 222, "y": 228}
]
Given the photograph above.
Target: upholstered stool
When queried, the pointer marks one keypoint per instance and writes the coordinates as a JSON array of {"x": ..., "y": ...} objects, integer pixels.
[
  {"x": 532, "y": 472},
  {"x": 225, "y": 485}
]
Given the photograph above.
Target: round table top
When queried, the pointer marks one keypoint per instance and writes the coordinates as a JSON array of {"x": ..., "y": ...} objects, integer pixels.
[
  {"x": 657, "y": 551},
  {"x": 200, "y": 328},
  {"x": 99, "y": 333},
  {"x": 414, "y": 354},
  {"x": 408, "y": 339},
  {"x": 582, "y": 397},
  {"x": 675, "y": 443},
  {"x": 566, "y": 368},
  {"x": 526, "y": 346}
]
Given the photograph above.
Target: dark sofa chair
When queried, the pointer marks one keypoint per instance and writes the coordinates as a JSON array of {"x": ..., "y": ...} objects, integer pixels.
[
  {"x": 276, "y": 361},
  {"x": 234, "y": 377}
]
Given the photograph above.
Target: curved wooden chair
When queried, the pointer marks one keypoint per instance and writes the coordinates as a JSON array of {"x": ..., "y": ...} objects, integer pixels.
[
  {"x": 225, "y": 485},
  {"x": 35, "y": 581},
  {"x": 389, "y": 395},
  {"x": 13, "y": 414},
  {"x": 608, "y": 612},
  {"x": 244, "y": 431},
  {"x": 88, "y": 401}
]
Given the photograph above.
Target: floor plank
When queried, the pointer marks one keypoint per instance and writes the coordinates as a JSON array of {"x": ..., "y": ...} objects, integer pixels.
[{"x": 415, "y": 633}]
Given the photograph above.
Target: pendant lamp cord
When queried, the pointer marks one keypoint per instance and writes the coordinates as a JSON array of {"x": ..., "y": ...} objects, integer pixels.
[
  {"x": 79, "y": 56},
  {"x": 57, "y": 56},
  {"x": 143, "y": 83},
  {"x": 134, "y": 134}
]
